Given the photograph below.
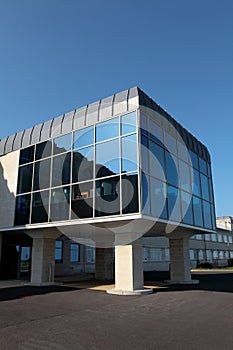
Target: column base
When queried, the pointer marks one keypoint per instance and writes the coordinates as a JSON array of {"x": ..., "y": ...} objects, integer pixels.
[
  {"x": 182, "y": 282},
  {"x": 130, "y": 292}
]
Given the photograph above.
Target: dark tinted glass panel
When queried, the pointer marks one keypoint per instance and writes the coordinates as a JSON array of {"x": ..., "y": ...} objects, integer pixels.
[
  {"x": 155, "y": 132},
  {"x": 158, "y": 192},
  {"x": 25, "y": 179},
  {"x": 82, "y": 200},
  {"x": 107, "y": 158},
  {"x": 183, "y": 152},
  {"x": 22, "y": 209},
  {"x": 62, "y": 144},
  {"x": 129, "y": 153},
  {"x": 194, "y": 160},
  {"x": 144, "y": 154},
  {"x": 172, "y": 169},
  {"x": 187, "y": 208},
  {"x": 107, "y": 196},
  {"x": 156, "y": 157},
  {"x": 205, "y": 187},
  {"x": 209, "y": 169},
  {"x": 26, "y": 155},
  {"x": 59, "y": 203},
  {"x": 130, "y": 193},
  {"x": 128, "y": 123},
  {"x": 145, "y": 194},
  {"x": 174, "y": 204},
  {"x": 196, "y": 188},
  {"x": 40, "y": 207},
  {"x": 213, "y": 217},
  {"x": 170, "y": 143},
  {"x": 185, "y": 180},
  {"x": 203, "y": 166},
  {"x": 107, "y": 130},
  {"x": 43, "y": 150},
  {"x": 59, "y": 251},
  {"x": 84, "y": 137},
  {"x": 83, "y": 162},
  {"x": 143, "y": 124},
  {"x": 42, "y": 174},
  {"x": 61, "y": 170},
  {"x": 197, "y": 211},
  {"x": 207, "y": 214},
  {"x": 211, "y": 191}
]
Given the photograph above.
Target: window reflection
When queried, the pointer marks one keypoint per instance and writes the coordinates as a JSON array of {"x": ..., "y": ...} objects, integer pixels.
[
  {"x": 62, "y": 144},
  {"x": 170, "y": 143},
  {"x": 197, "y": 211},
  {"x": 42, "y": 175},
  {"x": 107, "y": 196},
  {"x": 172, "y": 169},
  {"x": 156, "y": 157},
  {"x": 207, "y": 214},
  {"x": 205, "y": 187},
  {"x": 130, "y": 193},
  {"x": 155, "y": 132},
  {"x": 183, "y": 151},
  {"x": 196, "y": 187},
  {"x": 143, "y": 124},
  {"x": 144, "y": 154},
  {"x": 83, "y": 162},
  {"x": 25, "y": 179},
  {"x": 186, "y": 205},
  {"x": 82, "y": 200},
  {"x": 40, "y": 207},
  {"x": 174, "y": 203},
  {"x": 158, "y": 198},
  {"x": 107, "y": 158},
  {"x": 43, "y": 150},
  {"x": 184, "y": 171},
  {"x": 145, "y": 194},
  {"x": 26, "y": 155},
  {"x": 107, "y": 130},
  {"x": 61, "y": 170},
  {"x": 203, "y": 166},
  {"x": 129, "y": 153},
  {"x": 128, "y": 123},
  {"x": 59, "y": 203},
  {"x": 84, "y": 137},
  {"x": 22, "y": 209},
  {"x": 194, "y": 160}
]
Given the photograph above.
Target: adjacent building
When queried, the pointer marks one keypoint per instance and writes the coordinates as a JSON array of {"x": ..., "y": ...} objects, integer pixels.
[{"x": 105, "y": 176}]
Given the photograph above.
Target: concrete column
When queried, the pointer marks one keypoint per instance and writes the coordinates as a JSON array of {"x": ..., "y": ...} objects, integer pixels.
[
  {"x": 0, "y": 250},
  {"x": 180, "y": 261},
  {"x": 104, "y": 264},
  {"x": 43, "y": 257},
  {"x": 129, "y": 270}
]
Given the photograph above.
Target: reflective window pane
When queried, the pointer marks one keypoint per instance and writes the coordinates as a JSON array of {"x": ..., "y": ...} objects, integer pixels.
[
  {"x": 107, "y": 158},
  {"x": 207, "y": 214},
  {"x": 143, "y": 124},
  {"x": 194, "y": 160},
  {"x": 84, "y": 137},
  {"x": 42, "y": 174},
  {"x": 170, "y": 143},
  {"x": 129, "y": 153},
  {"x": 196, "y": 187},
  {"x": 25, "y": 179},
  {"x": 62, "y": 144},
  {"x": 26, "y": 155},
  {"x": 158, "y": 198},
  {"x": 203, "y": 166},
  {"x": 172, "y": 169},
  {"x": 197, "y": 211},
  {"x": 82, "y": 200},
  {"x": 211, "y": 191},
  {"x": 74, "y": 253},
  {"x": 59, "y": 251},
  {"x": 40, "y": 207},
  {"x": 185, "y": 181},
  {"x": 107, "y": 130},
  {"x": 174, "y": 204},
  {"x": 43, "y": 150},
  {"x": 183, "y": 152},
  {"x": 59, "y": 203},
  {"x": 144, "y": 154},
  {"x": 22, "y": 209},
  {"x": 145, "y": 194},
  {"x": 205, "y": 187},
  {"x": 83, "y": 162},
  {"x": 214, "y": 218},
  {"x": 155, "y": 132},
  {"x": 107, "y": 196},
  {"x": 129, "y": 123},
  {"x": 130, "y": 193},
  {"x": 61, "y": 170},
  {"x": 186, "y": 206},
  {"x": 156, "y": 157}
]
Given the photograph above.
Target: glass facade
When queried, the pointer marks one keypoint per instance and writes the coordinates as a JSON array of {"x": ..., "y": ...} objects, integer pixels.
[
  {"x": 88, "y": 173},
  {"x": 176, "y": 182}
]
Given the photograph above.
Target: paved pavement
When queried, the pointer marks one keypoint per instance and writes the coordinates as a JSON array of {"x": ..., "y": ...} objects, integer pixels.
[{"x": 65, "y": 318}]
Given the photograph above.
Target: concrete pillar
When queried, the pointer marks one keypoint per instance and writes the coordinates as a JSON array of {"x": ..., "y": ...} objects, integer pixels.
[
  {"x": 43, "y": 257},
  {"x": 180, "y": 261},
  {"x": 129, "y": 270},
  {"x": 104, "y": 264},
  {"x": 0, "y": 250}
]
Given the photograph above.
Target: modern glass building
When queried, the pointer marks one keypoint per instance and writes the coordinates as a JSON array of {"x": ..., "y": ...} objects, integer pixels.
[{"x": 107, "y": 174}]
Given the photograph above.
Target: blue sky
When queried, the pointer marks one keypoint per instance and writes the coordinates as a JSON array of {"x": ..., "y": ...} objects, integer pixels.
[{"x": 58, "y": 55}]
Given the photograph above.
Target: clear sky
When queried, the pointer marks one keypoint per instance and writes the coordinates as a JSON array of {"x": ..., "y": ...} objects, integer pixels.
[{"x": 58, "y": 55}]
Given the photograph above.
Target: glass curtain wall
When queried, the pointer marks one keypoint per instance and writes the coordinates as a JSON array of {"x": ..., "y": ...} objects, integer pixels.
[{"x": 91, "y": 172}]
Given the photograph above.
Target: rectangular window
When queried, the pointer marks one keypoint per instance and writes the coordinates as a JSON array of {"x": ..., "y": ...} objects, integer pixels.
[
  {"x": 83, "y": 164},
  {"x": 172, "y": 169},
  {"x": 184, "y": 175},
  {"x": 197, "y": 211},
  {"x": 174, "y": 211},
  {"x": 145, "y": 194},
  {"x": 144, "y": 155},
  {"x": 26, "y": 155},
  {"x": 82, "y": 200},
  {"x": 83, "y": 137},
  {"x": 62, "y": 144},
  {"x": 207, "y": 214},
  {"x": 22, "y": 209},
  {"x": 187, "y": 207},
  {"x": 107, "y": 158},
  {"x": 74, "y": 253},
  {"x": 43, "y": 150},
  {"x": 61, "y": 170},
  {"x": 40, "y": 207},
  {"x": 129, "y": 153},
  {"x": 205, "y": 187},
  {"x": 194, "y": 160},
  {"x": 107, "y": 130},
  {"x": 129, "y": 123},
  {"x": 196, "y": 187},
  {"x": 59, "y": 252},
  {"x": 60, "y": 203},
  {"x": 90, "y": 254},
  {"x": 42, "y": 175},
  {"x": 156, "y": 158},
  {"x": 155, "y": 133},
  {"x": 130, "y": 193},
  {"x": 158, "y": 193},
  {"x": 107, "y": 201},
  {"x": 170, "y": 143},
  {"x": 25, "y": 179}
]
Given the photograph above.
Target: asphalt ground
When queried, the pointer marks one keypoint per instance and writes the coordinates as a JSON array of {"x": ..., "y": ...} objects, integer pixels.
[{"x": 66, "y": 318}]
